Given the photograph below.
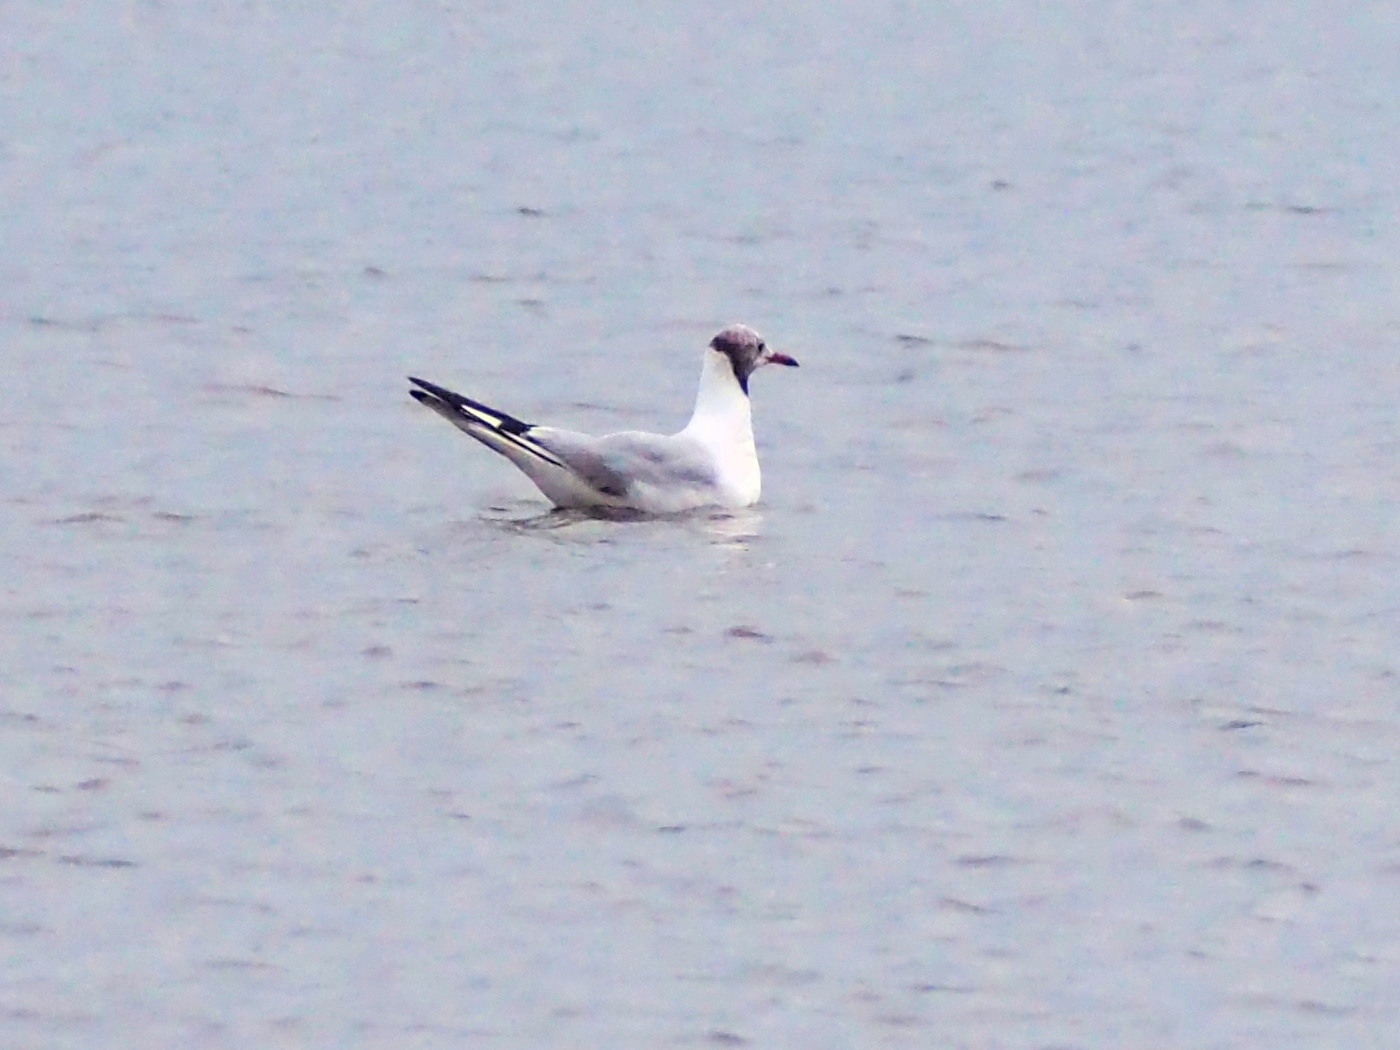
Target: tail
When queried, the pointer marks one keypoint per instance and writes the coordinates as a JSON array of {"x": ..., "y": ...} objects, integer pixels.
[{"x": 506, "y": 434}]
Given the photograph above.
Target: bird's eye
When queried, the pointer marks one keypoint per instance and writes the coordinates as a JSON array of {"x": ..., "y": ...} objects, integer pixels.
[{"x": 762, "y": 346}]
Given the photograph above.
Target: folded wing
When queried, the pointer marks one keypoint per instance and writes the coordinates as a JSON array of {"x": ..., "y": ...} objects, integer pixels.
[{"x": 652, "y": 472}]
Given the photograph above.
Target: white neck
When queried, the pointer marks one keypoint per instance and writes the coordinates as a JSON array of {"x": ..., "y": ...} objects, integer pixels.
[
  {"x": 722, "y": 422},
  {"x": 722, "y": 416}
]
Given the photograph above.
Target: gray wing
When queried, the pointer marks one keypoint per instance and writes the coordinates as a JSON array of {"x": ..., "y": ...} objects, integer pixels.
[{"x": 616, "y": 465}]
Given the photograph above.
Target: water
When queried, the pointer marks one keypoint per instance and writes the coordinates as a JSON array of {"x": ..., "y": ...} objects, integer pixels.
[{"x": 1047, "y": 700}]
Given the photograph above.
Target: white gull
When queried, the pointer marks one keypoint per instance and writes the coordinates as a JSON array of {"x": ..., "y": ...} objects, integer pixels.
[{"x": 710, "y": 463}]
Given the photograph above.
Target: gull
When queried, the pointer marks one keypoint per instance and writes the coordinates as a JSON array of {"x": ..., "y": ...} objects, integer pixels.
[{"x": 711, "y": 463}]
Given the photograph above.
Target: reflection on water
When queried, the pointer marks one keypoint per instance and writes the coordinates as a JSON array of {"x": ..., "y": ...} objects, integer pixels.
[
  {"x": 734, "y": 528},
  {"x": 536, "y": 519},
  {"x": 731, "y": 527}
]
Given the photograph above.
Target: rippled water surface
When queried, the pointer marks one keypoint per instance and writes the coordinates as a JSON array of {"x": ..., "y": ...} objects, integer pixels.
[{"x": 1048, "y": 699}]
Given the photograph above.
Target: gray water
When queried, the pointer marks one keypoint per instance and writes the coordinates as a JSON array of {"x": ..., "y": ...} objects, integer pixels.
[{"x": 1048, "y": 699}]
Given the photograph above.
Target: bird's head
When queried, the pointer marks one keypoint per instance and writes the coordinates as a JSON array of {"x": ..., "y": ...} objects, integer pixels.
[{"x": 746, "y": 351}]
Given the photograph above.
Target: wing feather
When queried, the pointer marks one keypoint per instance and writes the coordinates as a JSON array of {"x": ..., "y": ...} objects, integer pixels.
[{"x": 491, "y": 426}]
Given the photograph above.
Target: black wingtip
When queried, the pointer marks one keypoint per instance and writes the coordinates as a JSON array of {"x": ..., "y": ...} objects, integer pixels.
[
  {"x": 441, "y": 393},
  {"x": 487, "y": 416}
]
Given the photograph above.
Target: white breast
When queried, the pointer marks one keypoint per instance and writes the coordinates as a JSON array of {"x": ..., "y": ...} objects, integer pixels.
[{"x": 723, "y": 423}]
